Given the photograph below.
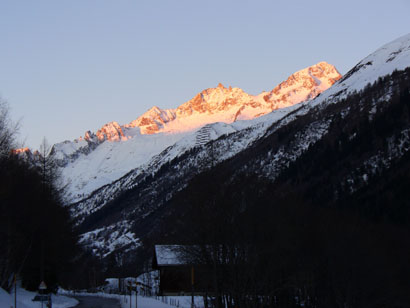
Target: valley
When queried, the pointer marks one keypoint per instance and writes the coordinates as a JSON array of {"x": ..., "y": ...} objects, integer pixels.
[{"x": 294, "y": 197}]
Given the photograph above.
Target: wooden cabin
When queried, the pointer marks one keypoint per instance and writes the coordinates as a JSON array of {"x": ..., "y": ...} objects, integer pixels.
[{"x": 180, "y": 273}]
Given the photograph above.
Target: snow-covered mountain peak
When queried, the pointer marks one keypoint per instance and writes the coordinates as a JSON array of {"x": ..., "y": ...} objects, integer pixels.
[
  {"x": 27, "y": 155},
  {"x": 153, "y": 120},
  {"x": 97, "y": 159},
  {"x": 303, "y": 85},
  {"x": 111, "y": 132},
  {"x": 214, "y": 100},
  {"x": 222, "y": 104},
  {"x": 20, "y": 151},
  {"x": 396, "y": 51},
  {"x": 89, "y": 136}
]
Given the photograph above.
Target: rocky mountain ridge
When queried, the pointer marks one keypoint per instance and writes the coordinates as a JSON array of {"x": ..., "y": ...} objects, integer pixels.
[
  {"x": 265, "y": 146},
  {"x": 100, "y": 158},
  {"x": 228, "y": 105}
]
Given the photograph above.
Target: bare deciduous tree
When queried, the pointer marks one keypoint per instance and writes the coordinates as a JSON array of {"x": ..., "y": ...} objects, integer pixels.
[{"x": 8, "y": 130}]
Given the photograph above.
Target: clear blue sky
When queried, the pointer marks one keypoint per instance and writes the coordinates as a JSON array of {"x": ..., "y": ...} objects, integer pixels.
[{"x": 69, "y": 66}]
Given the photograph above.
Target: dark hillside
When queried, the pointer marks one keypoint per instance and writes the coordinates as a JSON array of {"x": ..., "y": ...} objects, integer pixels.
[{"x": 332, "y": 229}]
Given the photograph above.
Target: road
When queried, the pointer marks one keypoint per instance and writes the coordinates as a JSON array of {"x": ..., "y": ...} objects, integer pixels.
[{"x": 96, "y": 302}]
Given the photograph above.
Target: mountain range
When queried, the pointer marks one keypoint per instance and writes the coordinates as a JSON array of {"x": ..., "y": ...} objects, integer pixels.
[
  {"x": 100, "y": 158},
  {"x": 123, "y": 181}
]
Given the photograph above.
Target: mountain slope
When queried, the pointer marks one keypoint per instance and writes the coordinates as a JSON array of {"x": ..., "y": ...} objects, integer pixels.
[
  {"x": 331, "y": 216},
  {"x": 265, "y": 146},
  {"x": 97, "y": 159}
]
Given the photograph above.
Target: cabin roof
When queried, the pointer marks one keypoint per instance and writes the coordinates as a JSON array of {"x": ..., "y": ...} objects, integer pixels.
[
  {"x": 183, "y": 255},
  {"x": 169, "y": 255}
]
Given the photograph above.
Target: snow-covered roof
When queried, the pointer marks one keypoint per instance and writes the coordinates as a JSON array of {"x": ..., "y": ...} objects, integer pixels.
[
  {"x": 169, "y": 255},
  {"x": 178, "y": 255}
]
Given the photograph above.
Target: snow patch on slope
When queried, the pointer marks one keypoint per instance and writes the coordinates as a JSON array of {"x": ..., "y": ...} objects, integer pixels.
[
  {"x": 104, "y": 241},
  {"x": 111, "y": 160},
  {"x": 384, "y": 61}
]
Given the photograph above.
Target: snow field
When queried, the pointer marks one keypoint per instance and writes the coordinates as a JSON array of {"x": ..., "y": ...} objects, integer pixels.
[
  {"x": 24, "y": 300},
  {"x": 146, "y": 302}
]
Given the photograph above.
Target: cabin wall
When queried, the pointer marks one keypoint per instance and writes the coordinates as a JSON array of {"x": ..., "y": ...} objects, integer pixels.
[{"x": 176, "y": 280}]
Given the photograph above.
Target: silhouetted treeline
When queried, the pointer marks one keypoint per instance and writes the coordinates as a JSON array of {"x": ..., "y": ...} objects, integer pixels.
[{"x": 37, "y": 238}]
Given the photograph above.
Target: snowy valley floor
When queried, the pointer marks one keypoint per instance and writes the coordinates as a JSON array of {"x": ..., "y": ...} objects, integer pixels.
[
  {"x": 24, "y": 300},
  {"x": 65, "y": 300},
  {"x": 147, "y": 302}
]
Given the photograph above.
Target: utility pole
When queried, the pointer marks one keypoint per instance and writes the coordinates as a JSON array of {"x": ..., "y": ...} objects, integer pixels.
[
  {"x": 136, "y": 293},
  {"x": 130, "y": 286},
  {"x": 192, "y": 287},
  {"x": 42, "y": 259},
  {"x": 15, "y": 291}
]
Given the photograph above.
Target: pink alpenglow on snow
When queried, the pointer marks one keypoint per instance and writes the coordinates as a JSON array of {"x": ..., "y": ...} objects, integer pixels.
[
  {"x": 20, "y": 151},
  {"x": 102, "y": 157},
  {"x": 228, "y": 105},
  {"x": 303, "y": 85},
  {"x": 111, "y": 131}
]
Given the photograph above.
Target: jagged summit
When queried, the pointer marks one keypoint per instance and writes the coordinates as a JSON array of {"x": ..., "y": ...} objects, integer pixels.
[
  {"x": 111, "y": 131},
  {"x": 153, "y": 120},
  {"x": 20, "y": 151},
  {"x": 303, "y": 85},
  {"x": 221, "y": 104},
  {"x": 99, "y": 158}
]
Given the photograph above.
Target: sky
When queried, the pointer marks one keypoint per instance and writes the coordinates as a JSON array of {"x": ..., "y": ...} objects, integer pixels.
[{"x": 69, "y": 66}]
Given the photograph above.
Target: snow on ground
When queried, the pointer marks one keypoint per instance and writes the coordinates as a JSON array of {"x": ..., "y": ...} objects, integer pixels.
[
  {"x": 24, "y": 300},
  {"x": 159, "y": 302},
  {"x": 110, "y": 290},
  {"x": 146, "y": 302}
]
